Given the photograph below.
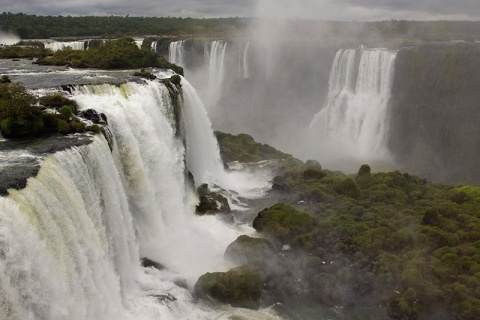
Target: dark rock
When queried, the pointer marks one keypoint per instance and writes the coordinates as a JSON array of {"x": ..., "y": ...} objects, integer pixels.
[
  {"x": 241, "y": 287},
  {"x": 94, "y": 116},
  {"x": 211, "y": 202},
  {"x": 182, "y": 283},
  {"x": 147, "y": 263},
  {"x": 164, "y": 297},
  {"x": 247, "y": 249}
]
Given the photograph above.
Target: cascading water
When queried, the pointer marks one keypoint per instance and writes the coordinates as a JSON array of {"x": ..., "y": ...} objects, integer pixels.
[
  {"x": 74, "y": 45},
  {"x": 176, "y": 52},
  {"x": 354, "y": 120},
  {"x": 246, "y": 71},
  {"x": 71, "y": 241},
  {"x": 67, "y": 240},
  {"x": 154, "y": 46},
  {"x": 216, "y": 72}
]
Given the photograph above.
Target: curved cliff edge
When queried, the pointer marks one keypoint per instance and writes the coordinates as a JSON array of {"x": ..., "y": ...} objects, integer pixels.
[{"x": 20, "y": 159}]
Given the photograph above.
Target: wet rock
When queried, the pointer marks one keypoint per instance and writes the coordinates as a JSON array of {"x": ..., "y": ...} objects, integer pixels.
[
  {"x": 211, "y": 202},
  {"x": 240, "y": 287},
  {"x": 247, "y": 249},
  {"x": 94, "y": 116},
  {"x": 147, "y": 263}
]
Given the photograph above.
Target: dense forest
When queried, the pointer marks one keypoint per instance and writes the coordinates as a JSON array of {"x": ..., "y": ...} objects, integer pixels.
[{"x": 37, "y": 27}]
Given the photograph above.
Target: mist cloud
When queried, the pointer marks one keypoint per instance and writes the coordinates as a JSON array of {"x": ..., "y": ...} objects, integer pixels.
[{"x": 8, "y": 38}]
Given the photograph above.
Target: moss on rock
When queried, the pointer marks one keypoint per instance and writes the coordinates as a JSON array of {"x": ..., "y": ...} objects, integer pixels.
[{"x": 241, "y": 286}]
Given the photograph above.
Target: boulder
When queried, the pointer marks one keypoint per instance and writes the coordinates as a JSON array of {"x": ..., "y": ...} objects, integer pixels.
[
  {"x": 211, "y": 202},
  {"x": 240, "y": 287},
  {"x": 94, "y": 116},
  {"x": 247, "y": 249}
]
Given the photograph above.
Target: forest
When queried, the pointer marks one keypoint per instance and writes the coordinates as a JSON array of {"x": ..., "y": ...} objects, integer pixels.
[{"x": 39, "y": 27}]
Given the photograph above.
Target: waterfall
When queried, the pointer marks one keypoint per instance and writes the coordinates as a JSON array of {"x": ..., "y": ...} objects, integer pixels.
[
  {"x": 246, "y": 73},
  {"x": 74, "y": 45},
  {"x": 67, "y": 240},
  {"x": 203, "y": 155},
  {"x": 354, "y": 119},
  {"x": 216, "y": 72},
  {"x": 176, "y": 52},
  {"x": 71, "y": 241},
  {"x": 154, "y": 46}
]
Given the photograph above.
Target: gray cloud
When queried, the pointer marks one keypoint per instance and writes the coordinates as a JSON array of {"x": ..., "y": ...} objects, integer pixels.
[{"x": 317, "y": 9}]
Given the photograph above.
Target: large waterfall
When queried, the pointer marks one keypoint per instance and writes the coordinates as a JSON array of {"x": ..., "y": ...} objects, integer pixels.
[
  {"x": 354, "y": 120},
  {"x": 71, "y": 241}
]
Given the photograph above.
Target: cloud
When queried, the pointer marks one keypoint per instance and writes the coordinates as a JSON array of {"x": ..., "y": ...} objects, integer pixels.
[
  {"x": 314, "y": 9},
  {"x": 161, "y": 8},
  {"x": 371, "y": 9}
]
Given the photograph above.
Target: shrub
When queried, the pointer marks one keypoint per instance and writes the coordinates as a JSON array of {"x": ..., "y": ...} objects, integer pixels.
[
  {"x": 62, "y": 126},
  {"x": 66, "y": 112},
  {"x": 176, "y": 79},
  {"x": 364, "y": 170},
  {"x": 347, "y": 187}
]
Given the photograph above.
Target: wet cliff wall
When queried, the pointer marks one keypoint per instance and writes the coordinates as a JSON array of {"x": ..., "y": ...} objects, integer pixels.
[{"x": 435, "y": 111}]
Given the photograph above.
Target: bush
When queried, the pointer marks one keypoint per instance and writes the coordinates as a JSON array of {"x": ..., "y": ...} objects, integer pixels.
[
  {"x": 347, "y": 187},
  {"x": 176, "y": 79},
  {"x": 62, "y": 126}
]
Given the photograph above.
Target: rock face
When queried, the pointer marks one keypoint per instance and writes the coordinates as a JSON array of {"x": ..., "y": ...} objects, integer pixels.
[
  {"x": 211, "y": 202},
  {"x": 435, "y": 111},
  {"x": 247, "y": 249},
  {"x": 241, "y": 287}
]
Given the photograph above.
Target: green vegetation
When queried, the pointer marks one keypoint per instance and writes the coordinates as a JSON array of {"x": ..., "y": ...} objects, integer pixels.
[
  {"x": 28, "y": 49},
  {"x": 387, "y": 239},
  {"x": 247, "y": 249},
  {"x": 41, "y": 27},
  {"x": 241, "y": 286},
  {"x": 243, "y": 148},
  {"x": 20, "y": 116},
  {"x": 113, "y": 54}
]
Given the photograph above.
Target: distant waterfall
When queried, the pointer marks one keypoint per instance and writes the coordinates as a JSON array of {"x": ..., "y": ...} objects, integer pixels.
[
  {"x": 354, "y": 118},
  {"x": 74, "y": 45},
  {"x": 176, "y": 52},
  {"x": 154, "y": 46},
  {"x": 246, "y": 70},
  {"x": 216, "y": 71}
]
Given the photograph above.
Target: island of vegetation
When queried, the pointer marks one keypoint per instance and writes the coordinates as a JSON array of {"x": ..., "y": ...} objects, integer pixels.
[
  {"x": 121, "y": 53},
  {"x": 387, "y": 244}
]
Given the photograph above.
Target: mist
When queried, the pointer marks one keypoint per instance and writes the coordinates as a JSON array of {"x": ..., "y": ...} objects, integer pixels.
[{"x": 8, "y": 39}]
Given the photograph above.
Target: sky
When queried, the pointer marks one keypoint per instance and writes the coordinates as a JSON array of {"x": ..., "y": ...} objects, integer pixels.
[{"x": 345, "y": 10}]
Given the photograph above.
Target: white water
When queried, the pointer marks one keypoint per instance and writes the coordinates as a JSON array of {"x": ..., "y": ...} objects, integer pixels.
[
  {"x": 154, "y": 46},
  {"x": 246, "y": 70},
  {"x": 354, "y": 121},
  {"x": 203, "y": 155},
  {"x": 176, "y": 52},
  {"x": 70, "y": 242},
  {"x": 216, "y": 72},
  {"x": 74, "y": 45},
  {"x": 8, "y": 39}
]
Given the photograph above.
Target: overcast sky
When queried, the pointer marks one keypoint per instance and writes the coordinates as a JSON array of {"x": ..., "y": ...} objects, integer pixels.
[{"x": 316, "y": 9}]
